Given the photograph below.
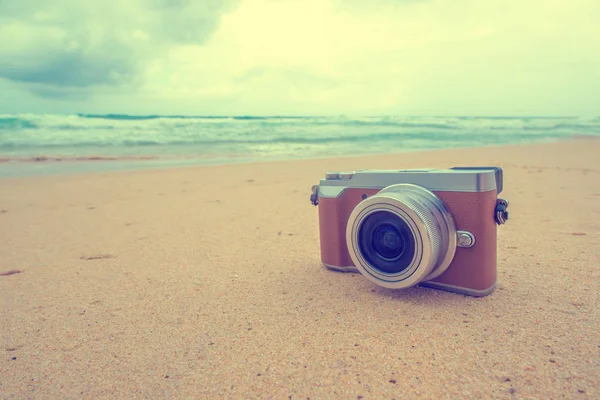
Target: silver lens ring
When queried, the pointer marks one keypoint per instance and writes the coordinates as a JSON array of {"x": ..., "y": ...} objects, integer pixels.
[
  {"x": 391, "y": 280},
  {"x": 431, "y": 226}
]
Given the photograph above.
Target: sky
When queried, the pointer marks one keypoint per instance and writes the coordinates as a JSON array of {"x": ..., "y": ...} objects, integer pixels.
[{"x": 301, "y": 57}]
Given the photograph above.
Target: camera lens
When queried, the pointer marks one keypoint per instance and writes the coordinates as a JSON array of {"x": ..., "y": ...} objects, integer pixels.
[
  {"x": 401, "y": 236},
  {"x": 386, "y": 242}
]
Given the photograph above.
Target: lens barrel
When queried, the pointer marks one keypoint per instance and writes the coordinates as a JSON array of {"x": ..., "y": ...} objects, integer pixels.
[{"x": 401, "y": 236}]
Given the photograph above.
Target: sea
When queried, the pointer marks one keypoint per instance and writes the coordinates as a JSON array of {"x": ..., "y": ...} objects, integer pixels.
[{"x": 32, "y": 144}]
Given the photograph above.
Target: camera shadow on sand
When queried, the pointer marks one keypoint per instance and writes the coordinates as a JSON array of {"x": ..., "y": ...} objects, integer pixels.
[{"x": 335, "y": 290}]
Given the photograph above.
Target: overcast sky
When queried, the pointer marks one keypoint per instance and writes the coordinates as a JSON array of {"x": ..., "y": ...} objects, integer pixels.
[{"x": 302, "y": 57}]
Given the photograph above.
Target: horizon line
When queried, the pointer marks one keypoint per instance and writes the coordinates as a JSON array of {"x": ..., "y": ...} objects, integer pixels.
[{"x": 298, "y": 116}]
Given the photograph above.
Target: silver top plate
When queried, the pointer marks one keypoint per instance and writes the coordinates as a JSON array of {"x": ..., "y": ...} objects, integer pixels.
[{"x": 469, "y": 179}]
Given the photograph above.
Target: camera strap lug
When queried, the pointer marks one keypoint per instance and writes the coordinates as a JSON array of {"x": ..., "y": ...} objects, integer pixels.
[
  {"x": 501, "y": 214},
  {"x": 314, "y": 196}
]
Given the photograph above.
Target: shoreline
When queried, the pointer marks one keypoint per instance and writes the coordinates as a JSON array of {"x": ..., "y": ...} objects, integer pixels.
[{"x": 14, "y": 168}]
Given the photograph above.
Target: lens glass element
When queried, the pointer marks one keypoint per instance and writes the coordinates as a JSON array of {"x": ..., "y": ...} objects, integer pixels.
[{"x": 386, "y": 242}]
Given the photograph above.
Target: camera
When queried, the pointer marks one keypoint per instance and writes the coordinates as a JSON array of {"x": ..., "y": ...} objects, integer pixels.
[{"x": 402, "y": 228}]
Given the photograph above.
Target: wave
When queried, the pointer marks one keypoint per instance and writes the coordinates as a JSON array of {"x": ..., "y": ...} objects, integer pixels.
[
  {"x": 257, "y": 140},
  {"x": 127, "y": 117},
  {"x": 115, "y": 135},
  {"x": 119, "y": 116},
  {"x": 108, "y": 122},
  {"x": 262, "y": 117},
  {"x": 16, "y": 123}
]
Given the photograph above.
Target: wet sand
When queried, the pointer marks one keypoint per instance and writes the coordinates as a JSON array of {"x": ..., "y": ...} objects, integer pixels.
[{"x": 206, "y": 282}]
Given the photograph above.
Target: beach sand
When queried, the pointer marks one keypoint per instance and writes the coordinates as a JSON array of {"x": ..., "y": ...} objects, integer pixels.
[{"x": 206, "y": 282}]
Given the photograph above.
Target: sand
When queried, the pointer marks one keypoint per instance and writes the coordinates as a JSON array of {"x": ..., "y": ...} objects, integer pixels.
[{"x": 206, "y": 282}]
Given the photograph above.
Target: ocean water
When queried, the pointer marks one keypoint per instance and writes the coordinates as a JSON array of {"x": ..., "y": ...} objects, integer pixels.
[{"x": 44, "y": 144}]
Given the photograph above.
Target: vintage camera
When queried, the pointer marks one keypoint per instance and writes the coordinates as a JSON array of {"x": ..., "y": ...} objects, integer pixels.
[{"x": 401, "y": 228}]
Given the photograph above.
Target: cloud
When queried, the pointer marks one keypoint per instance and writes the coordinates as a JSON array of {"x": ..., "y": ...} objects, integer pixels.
[
  {"x": 303, "y": 56},
  {"x": 70, "y": 44},
  {"x": 69, "y": 68}
]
